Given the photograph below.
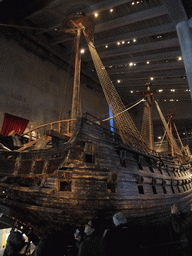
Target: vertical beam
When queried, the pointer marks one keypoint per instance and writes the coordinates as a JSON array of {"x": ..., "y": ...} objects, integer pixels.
[
  {"x": 76, "y": 85},
  {"x": 3, "y": 239},
  {"x": 185, "y": 41}
]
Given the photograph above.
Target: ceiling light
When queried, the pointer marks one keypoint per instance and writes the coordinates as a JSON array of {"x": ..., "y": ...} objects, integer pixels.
[
  {"x": 180, "y": 58},
  {"x": 96, "y": 14},
  {"x": 148, "y": 62},
  {"x": 151, "y": 78},
  {"x": 128, "y": 42},
  {"x": 133, "y": 3},
  {"x": 165, "y": 100},
  {"x": 177, "y": 100},
  {"x": 110, "y": 66},
  {"x": 159, "y": 36},
  {"x": 137, "y": 2},
  {"x": 135, "y": 64},
  {"x": 172, "y": 90},
  {"x": 131, "y": 91},
  {"x": 166, "y": 61},
  {"x": 111, "y": 10},
  {"x": 118, "y": 81},
  {"x": 171, "y": 100},
  {"x": 82, "y": 51},
  {"x": 106, "y": 46},
  {"x": 123, "y": 42},
  {"x": 56, "y": 29},
  {"x": 118, "y": 43},
  {"x": 134, "y": 40},
  {"x": 160, "y": 90},
  {"x": 159, "y": 137},
  {"x": 131, "y": 64}
]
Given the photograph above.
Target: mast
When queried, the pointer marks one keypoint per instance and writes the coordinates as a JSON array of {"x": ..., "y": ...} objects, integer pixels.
[
  {"x": 171, "y": 131},
  {"x": 147, "y": 125},
  {"x": 75, "y": 112},
  {"x": 74, "y": 24}
]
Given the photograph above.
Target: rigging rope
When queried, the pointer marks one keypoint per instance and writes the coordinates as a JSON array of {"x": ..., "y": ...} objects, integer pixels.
[
  {"x": 127, "y": 129},
  {"x": 170, "y": 136},
  {"x": 161, "y": 142},
  {"x": 123, "y": 110}
]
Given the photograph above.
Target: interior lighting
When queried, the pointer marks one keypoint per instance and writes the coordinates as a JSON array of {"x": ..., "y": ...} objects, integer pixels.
[
  {"x": 118, "y": 43},
  {"x": 110, "y": 66},
  {"x": 165, "y": 100},
  {"x": 177, "y": 100},
  {"x": 106, "y": 46},
  {"x": 151, "y": 78},
  {"x": 166, "y": 61},
  {"x": 159, "y": 36},
  {"x": 172, "y": 90},
  {"x": 148, "y": 62},
  {"x": 134, "y": 40},
  {"x": 135, "y": 64},
  {"x": 123, "y": 42},
  {"x": 133, "y": 3},
  {"x": 179, "y": 58},
  {"x": 131, "y": 64},
  {"x": 118, "y": 81},
  {"x": 128, "y": 42},
  {"x": 111, "y": 10},
  {"x": 96, "y": 15},
  {"x": 160, "y": 90},
  {"x": 55, "y": 29},
  {"x": 159, "y": 137},
  {"x": 171, "y": 100},
  {"x": 82, "y": 51},
  {"x": 137, "y": 2},
  {"x": 131, "y": 91}
]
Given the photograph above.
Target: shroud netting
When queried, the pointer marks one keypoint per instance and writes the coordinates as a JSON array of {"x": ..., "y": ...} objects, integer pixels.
[
  {"x": 127, "y": 129},
  {"x": 170, "y": 136}
]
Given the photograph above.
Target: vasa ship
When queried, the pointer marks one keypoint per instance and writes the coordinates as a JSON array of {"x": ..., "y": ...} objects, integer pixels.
[{"x": 74, "y": 169}]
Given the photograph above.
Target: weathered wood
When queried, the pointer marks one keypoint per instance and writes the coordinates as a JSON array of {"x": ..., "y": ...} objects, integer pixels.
[{"x": 68, "y": 183}]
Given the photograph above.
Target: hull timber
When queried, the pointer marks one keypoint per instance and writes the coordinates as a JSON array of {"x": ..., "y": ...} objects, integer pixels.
[{"x": 93, "y": 173}]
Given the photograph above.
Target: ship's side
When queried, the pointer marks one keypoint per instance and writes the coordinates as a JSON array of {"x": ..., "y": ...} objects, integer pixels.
[{"x": 92, "y": 174}]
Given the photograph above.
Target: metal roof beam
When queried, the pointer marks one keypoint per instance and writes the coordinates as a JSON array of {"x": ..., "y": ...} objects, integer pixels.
[
  {"x": 146, "y": 68},
  {"x": 155, "y": 74},
  {"x": 132, "y": 18},
  {"x": 139, "y": 48},
  {"x": 151, "y": 57}
]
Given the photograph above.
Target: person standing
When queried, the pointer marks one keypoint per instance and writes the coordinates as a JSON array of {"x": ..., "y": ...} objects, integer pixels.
[
  {"x": 121, "y": 239},
  {"x": 93, "y": 244},
  {"x": 182, "y": 225}
]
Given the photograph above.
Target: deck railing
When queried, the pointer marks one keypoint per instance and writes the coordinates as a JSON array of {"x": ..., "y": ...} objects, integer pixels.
[{"x": 62, "y": 126}]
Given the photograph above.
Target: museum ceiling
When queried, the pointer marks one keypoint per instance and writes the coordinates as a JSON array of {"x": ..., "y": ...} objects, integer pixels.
[{"x": 136, "y": 40}]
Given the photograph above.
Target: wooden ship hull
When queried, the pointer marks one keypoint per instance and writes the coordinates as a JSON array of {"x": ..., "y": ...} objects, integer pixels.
[
  {"x": 93, "y": 173},
  {"x": 73, "y": 172}
]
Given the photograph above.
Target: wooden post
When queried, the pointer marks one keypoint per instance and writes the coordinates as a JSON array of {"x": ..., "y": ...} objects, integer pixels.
[
  {"x": 76, "y": 86},
  {"x": 151, "y": 135}
]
